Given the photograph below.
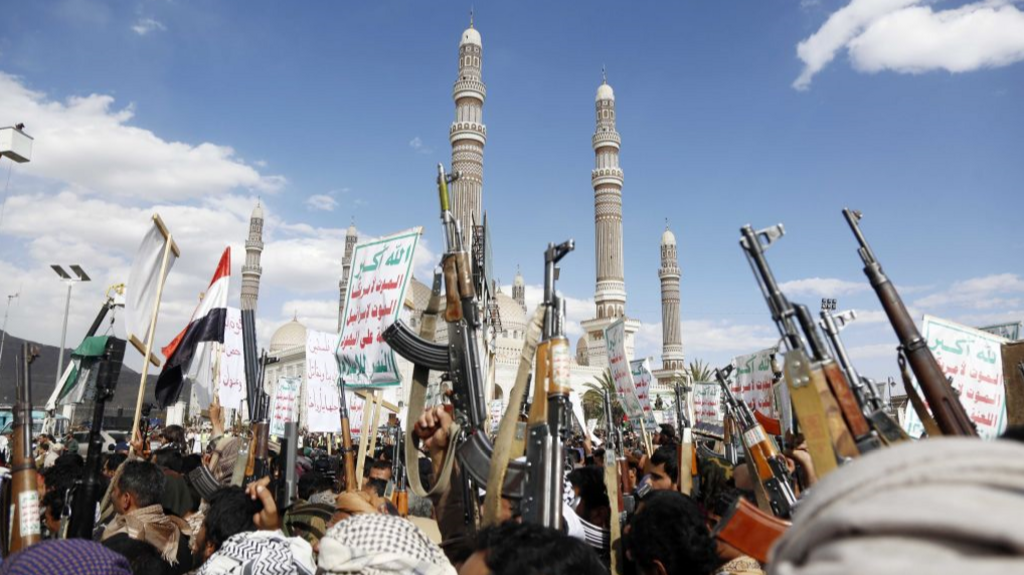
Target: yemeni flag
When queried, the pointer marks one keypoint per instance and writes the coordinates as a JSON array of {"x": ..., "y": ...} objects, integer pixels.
[{"x": 207, "y": 324}]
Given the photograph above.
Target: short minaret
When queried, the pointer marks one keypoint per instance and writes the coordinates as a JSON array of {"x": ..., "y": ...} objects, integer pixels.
[
  {"x": 607, "y": 179},
  {"x": 251, "y": 270},
  {"x": 672, "y": 360},
  {"x": 519, "y": 289},
  {"x": 351, "y": 237},
  {"x": 468, "y": 134}
]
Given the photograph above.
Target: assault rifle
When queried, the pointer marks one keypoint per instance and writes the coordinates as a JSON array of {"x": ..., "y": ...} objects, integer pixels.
[
  {"x": 258, "y": 464},
  {"x": 686, "y": 455},
  {"x": 545, "y": 446},
  {"x": 826, "y": 409},
  {"x": 768, "y": 463},
  {"x": 864, "y": 389},
  {"x": 460, "y": 358},
  {"x": 400, "y": 497},
  {"x": 25, "y": 528},
  {"x": 942, "y": 399},
  {"x": 348, "y": 454},
  {"x": 89, "y": 490}
]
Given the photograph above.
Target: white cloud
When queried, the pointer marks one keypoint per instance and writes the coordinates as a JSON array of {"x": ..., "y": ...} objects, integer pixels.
[
  {"x": 321, "y": 203},
  {"x": 824, "y": 287},
  {"x": 146, "y": 25},
  {"x": 840, "y": 28},
  {"x": 89, "y": 144},
  {"x": 978, "y": 293},
  {"x": 918, "y": 39},
  {"x": 902, "y": 36},
  {"x": 873, "y": 351},
  {"x": 417, "y": 144},
  {"x": 706, "y": 336}
]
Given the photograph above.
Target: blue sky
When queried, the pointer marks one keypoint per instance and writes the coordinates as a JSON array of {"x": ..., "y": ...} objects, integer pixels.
[{"x": 730, "y": 113}]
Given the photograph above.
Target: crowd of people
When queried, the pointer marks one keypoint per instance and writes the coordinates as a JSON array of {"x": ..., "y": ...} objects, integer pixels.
[{"x": 173, "y": 512}]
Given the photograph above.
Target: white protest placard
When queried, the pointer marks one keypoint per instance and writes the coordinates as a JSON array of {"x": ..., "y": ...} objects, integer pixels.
[
  {"x": 642, "y": 378},
  {"x": 356, "y": 407},
  {"x": 284, "y": 406},
  {"x": 231, "y": 371},
  {"x": 495, "y": 410},
  {"x": 753, "y": 380},
  {"x": 323, "y": 401},
  {"x": 974, "y": 360},
  {"x": 381, "y": 270},
  {"x": 615, "y": 339},
  {"x": 708, "y": 412}
]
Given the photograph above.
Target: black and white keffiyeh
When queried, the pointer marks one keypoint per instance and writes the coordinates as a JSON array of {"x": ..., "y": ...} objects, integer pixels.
[
  {"x": 381, "y": 545},
  {"x": 261, "y": 553}
]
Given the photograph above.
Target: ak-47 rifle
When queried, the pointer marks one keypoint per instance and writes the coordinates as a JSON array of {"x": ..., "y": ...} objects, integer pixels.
[
  {"x": 459, "y": 358},
  {"x": 545, "y": 446},
  {"x": 89, "y": 490},
  {"x": 25, "y": 529},
  {"x": 686, "y": 455},
  {"x": 258, "y": 465},
  {"x": 826, "y": 409},
  {"x": 942, "y": 399},
  {"x": 864, "y": 389},
  {"x": 400, "y": 497},
  {"x": 286, "y": 486},
  {"x": 768, "y": 463}
]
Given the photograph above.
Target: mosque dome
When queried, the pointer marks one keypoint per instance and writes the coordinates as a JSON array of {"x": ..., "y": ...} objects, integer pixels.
[
  {"x": 289, "y": 335},
  {"x": 605, "y": 92},
  {"x": 668, "y": 238},
  {"x": 582, "y": 358},
  {"x": 471, "y": 36},
  {"x": 513, "y": 316},
  {"x": 352, "y": 230},
  {"x": 257, "y": 212}
]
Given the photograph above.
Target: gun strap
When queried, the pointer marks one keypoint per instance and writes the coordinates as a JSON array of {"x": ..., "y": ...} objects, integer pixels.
[
  {"x": 509, "y": 421},
  {"x": 931, "y": 428},
  {"x": 807, "y": 403},
  {"x": 418, "y": 398}
]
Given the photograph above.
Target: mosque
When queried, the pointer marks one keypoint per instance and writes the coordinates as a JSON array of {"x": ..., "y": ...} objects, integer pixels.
[{"x": 468, "y": 137}]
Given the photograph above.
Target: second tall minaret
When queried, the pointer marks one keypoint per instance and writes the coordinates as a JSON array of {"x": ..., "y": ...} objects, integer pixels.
[
  {"x": 251, "y": 269},
  {"x": 468, "y": 134}
]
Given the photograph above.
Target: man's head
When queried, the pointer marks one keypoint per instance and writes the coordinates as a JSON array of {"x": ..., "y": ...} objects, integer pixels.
[
  {"x": 668, "y": 535},
  {"x": 311, "y": 483},
  {"x": 663, "y": 469},
  {"x": 666, "y": 435},
  {"x": 380, "y": 470},
  {"x": 599, "y": 457},
  {"x": 230, "y": 512},
  {"x": 141, "y": 484},
  {"x": 521, "y": 548}
]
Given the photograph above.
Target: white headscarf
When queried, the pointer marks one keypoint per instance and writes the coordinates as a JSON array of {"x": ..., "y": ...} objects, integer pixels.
[{"x": 381, "y": 545}]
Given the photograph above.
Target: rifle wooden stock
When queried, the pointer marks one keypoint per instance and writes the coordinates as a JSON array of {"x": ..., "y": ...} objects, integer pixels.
[
  {"x": 685, "y": 458},
  {"x": 258, "y": 466},
  {"x": 348, "y": 456},
  {"x": 750, "y": 530},
  {"x": 453, "y": 304},
  {"x": 25, "y": 529},
  {"x": 539, "y": 405}
]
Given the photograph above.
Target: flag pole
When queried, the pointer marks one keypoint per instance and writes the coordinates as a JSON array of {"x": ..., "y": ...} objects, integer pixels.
[{"x": 169, "y": 245}]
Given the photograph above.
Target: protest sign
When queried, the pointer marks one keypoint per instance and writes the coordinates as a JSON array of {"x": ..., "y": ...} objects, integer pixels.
[
  {"x": 323, "y": 404},
  {"x": 381, "y": 270},
  {"x": 642, "y": 378},
  {"x": 753, "y": 379},
  {"x": 285, "y": 404},
  {"x": 615, "y": 339}
]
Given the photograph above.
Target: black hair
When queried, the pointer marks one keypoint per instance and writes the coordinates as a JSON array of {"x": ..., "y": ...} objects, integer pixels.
[
  {"x": 666, "y": 455},
  {"x": 144, "y": 480},
  {"x": 230, "y": 513},
  {"x": 143, "y": 558},
  {"x": 114, "y": 460},
  {"x": 54, "y": 502},
  {"x": 590, "y": 481},
  {"x": 313, "y": 482},
  {"x": 379, "y": 486},
  {"x": 174, "y": 437},
  {"x": 669, "y": 529},
  {"x": 169, "y": 458},
  {"x": 1014, "y": 433},
  {"x": 190, "y": 462},
  {"x": 63, "y": 474},
  {"x": 381, "y": 464},
  {"x": 668, "y": 430},
  {"x": 527, "y": 549}
]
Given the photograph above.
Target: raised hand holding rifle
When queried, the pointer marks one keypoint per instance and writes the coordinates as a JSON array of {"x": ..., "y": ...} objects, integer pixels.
[{"x": 949, "y": 413}]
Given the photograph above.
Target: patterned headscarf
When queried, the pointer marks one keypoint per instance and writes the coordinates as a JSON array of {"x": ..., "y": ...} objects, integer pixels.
[
  {"x": 262, "y": 552},
  {"x": 66, "y": 556},
  {"x": 381, "y": 545}
]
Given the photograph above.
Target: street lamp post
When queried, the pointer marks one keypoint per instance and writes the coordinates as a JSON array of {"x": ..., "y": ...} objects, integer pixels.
[{"x": 71, "y": 281}]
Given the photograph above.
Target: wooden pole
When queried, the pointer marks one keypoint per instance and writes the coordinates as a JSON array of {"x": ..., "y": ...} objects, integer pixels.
[
  {"x": 364, "y": 438},
  {"x": 378, "y": 399},
  {"x": 152, "y": 325}
]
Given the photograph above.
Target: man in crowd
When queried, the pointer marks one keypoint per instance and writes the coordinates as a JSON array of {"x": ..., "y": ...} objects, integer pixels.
[
  {"x": 136, "y": 499},
  {"x": 663, "y": 469}
]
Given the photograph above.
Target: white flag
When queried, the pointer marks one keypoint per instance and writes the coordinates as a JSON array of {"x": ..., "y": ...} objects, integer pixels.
[{"x": 143, "y": 282}]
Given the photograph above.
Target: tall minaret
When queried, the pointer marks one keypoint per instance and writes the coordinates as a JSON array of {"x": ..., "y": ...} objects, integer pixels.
[
  {"x": 519, "y": 289},
  {"x": 468, "y": 134},
  {"x": 606, "y": 178},
  {"x": 671, "y": 337},
  {"x": 351, "y": 236},
  {"x": 251, "y": 270}
]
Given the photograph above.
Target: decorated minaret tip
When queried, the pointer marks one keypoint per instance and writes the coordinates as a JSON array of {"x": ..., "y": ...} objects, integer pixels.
[
  {"x": 257, "y": 212},
  {"x": 604, "y": 91},
  {"x": 470, "y": 35},
  {"x": 668, "y": 238}
]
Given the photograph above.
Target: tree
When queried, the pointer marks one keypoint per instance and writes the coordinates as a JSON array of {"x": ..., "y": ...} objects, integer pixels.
[
  {"x": 700, "y": 371},
  {"x": 593, "y": 398}
]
